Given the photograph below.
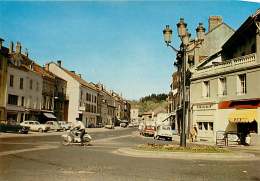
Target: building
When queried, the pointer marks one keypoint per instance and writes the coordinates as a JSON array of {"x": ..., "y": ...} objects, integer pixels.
[
  {"x": 24, "y": 87},
  {"x": 217, "y": 35},
  {"x": 106, "y": 107},
  {"x": 225, "y": 95},
  {"x": 81, "y": 94},
  {"x": 3, "y": 79},
  {"x": 134, "y": 113}
]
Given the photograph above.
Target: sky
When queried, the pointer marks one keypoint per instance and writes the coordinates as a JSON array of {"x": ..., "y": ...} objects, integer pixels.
[{"x": 117, "y": 43}]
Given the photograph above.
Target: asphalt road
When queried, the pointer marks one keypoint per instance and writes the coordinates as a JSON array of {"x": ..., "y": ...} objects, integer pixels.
[{"x": 44, "y": 158}]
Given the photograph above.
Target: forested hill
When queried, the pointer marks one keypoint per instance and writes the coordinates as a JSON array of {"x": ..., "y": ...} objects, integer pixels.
[{"x": 150, "y": 103}]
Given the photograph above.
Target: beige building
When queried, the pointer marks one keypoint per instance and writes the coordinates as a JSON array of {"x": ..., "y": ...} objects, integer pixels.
[
  {"x": 24, "y": 87},
  {"x": 3, "y": 79},
  {"x": 81, "y": 94},
  {"x": 225, "y": 94}
]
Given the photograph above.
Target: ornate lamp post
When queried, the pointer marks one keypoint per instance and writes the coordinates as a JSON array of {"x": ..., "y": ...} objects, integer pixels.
[{"x": 185, "y": 38}]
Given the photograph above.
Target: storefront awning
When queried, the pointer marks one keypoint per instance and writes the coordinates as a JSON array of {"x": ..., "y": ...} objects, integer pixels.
[
  {"x": 243, "y": 116},
  {"x": 49, "y": 115}
]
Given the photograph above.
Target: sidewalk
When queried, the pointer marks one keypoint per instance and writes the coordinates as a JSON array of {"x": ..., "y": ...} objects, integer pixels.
[{"x": 53, "y": 133}]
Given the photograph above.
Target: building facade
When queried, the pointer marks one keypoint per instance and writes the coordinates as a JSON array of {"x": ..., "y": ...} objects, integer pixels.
[
  {"x": 24, "y": 87},
  {"x": 225, "y": 95},
  {"x": 3, "y": 79},
  {"x": 81, "y": 94}
]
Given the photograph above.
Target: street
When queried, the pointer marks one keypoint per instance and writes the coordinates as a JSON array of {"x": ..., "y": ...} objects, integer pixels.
[{"x": 44, "y": 158}]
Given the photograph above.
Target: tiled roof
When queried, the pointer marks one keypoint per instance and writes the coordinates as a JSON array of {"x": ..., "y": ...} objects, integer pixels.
[{"x": 44, "y": 73}]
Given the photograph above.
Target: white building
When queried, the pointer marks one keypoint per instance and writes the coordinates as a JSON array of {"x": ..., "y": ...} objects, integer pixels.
[{"x": 81, "y": 94}]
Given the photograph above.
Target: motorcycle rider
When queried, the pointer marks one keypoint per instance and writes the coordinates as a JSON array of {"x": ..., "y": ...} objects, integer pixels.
[{"x": 81, "y": 127}]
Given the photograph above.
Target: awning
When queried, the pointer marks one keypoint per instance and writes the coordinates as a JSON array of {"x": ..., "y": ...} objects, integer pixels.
[
  {"x": 49, "y": 115},
  {"x": 243, "y": 116}
]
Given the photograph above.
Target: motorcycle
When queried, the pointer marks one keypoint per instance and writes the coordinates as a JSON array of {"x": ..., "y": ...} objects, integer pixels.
[{"x": 73, "y": 137}]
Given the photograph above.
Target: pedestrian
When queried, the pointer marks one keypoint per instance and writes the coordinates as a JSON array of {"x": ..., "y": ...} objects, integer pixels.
[{"x": 193, "y": 134}]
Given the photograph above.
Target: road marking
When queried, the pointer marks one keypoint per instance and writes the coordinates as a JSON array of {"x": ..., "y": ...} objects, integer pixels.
[{"x": 42, "y": 147}]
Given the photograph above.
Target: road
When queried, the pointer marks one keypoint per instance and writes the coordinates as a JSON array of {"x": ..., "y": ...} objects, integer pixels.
[{"x": 44, "y": 158}]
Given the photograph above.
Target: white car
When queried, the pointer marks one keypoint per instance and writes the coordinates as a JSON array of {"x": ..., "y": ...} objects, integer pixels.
[
  {"x": 35, "y": 126},
  {"x": 64, "y": 125},
  {"x": 163, "y": 132},
  {"x": 54, "y": 125}
]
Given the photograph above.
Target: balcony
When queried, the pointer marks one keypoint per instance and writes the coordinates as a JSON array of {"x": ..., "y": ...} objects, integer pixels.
[{"x": 226, "y": 66}]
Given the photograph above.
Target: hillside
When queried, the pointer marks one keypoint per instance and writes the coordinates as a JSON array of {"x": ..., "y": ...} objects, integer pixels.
[{"x": 150, "y": 103}]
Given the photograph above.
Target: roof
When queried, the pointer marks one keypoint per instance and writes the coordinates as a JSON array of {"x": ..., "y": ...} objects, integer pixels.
[
  {"x": 77, "y": 78},
  {"x": 44, "y": 73},
  {"x": 250, "y": 21},
  {"x": 208, "y": 59},
  {"x": 223, "y": 23}
]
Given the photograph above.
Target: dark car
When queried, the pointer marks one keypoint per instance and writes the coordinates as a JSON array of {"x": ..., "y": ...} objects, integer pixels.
[{"x": 13, "y": 127}]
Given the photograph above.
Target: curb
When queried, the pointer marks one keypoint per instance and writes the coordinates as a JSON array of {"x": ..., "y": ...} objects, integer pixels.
[{"x": 186, "y": 155}]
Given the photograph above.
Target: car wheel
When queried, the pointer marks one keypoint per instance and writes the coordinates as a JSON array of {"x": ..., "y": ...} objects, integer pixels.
[{"x": 40, "y": 130}]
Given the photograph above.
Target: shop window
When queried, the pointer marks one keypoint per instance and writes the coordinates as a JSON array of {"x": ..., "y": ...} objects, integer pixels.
[
  {"x": 205, "y": 125},
  {"x": 211, "y": 126},
  {"x": 200, "y": 126}
]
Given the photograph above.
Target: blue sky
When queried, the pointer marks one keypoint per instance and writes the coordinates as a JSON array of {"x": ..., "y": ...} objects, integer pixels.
[{"x": 119, "y": 44}]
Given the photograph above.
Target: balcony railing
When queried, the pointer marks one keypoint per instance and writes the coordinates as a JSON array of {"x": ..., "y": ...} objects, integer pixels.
[{"x": 227, "y": 65}]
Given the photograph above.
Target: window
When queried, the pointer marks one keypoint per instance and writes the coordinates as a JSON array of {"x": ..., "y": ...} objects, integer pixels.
[
  {"x": 205, "y": 126},
  {"x": 200, "y": 125},
  {"x": 205, "y": 89},
  {"x": 31, "y": 84},
  {"x": 12, "y": 99},
  {"x": 37, "y": 86},
  {"x": 222, "y": 86},
  {"x": 21, "y": 83},
  {"x": 22, "y": 101},
  {"x": 211, "y": 126},
  {"x": 11, "y": 81},
  {"x": 241, "y": 84}
]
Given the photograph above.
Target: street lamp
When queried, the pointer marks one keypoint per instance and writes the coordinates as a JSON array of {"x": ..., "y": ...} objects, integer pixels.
[{"x": 185, "y": 38}]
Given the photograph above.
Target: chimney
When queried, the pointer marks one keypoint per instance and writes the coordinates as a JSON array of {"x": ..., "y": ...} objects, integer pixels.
[
  {"x": 214, "y": 21},
  {"x": 80, "y": 75},
  {"x": 26, "y": 53},
  {"x": 1, "y": 43},
  {"x": 59, "y": 63},
  {"x": 200, "y": 31},
  {"x": 18, "y": 47},
  {"x": 11, "y": 48}
]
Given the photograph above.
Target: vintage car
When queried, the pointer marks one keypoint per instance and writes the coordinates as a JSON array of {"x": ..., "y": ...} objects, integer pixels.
[
  {"x": 64, "y": 125},
  {"x": 54, "y": 125},
  {"x": 148, "y": 130},
  {"x": 35, "y": 126},
  {"x": 163, "y": 132},
  {"x": 14, "y": 127}
]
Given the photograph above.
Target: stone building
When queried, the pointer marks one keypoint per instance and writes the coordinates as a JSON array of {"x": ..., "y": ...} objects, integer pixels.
[
  {"x": 225, "y": 94},
  {"x": 3, "y": 79},
  {"x": 81, "y": 94}
]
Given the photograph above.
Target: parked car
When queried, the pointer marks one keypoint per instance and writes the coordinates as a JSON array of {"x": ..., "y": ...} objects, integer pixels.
[
  {"x": 163, "y": 132},
  {"x": 14, "y": 127},
  {"x": 123, "y": 125},
  {"x": 35, "y": 126},
  {"x": 64, "y": 125},
  {"x": 109, "y": 126},
  {"x": 54, "y": 125},
  {"x": 130, "y": 125},
  {"x": 148, "y": 130}
]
